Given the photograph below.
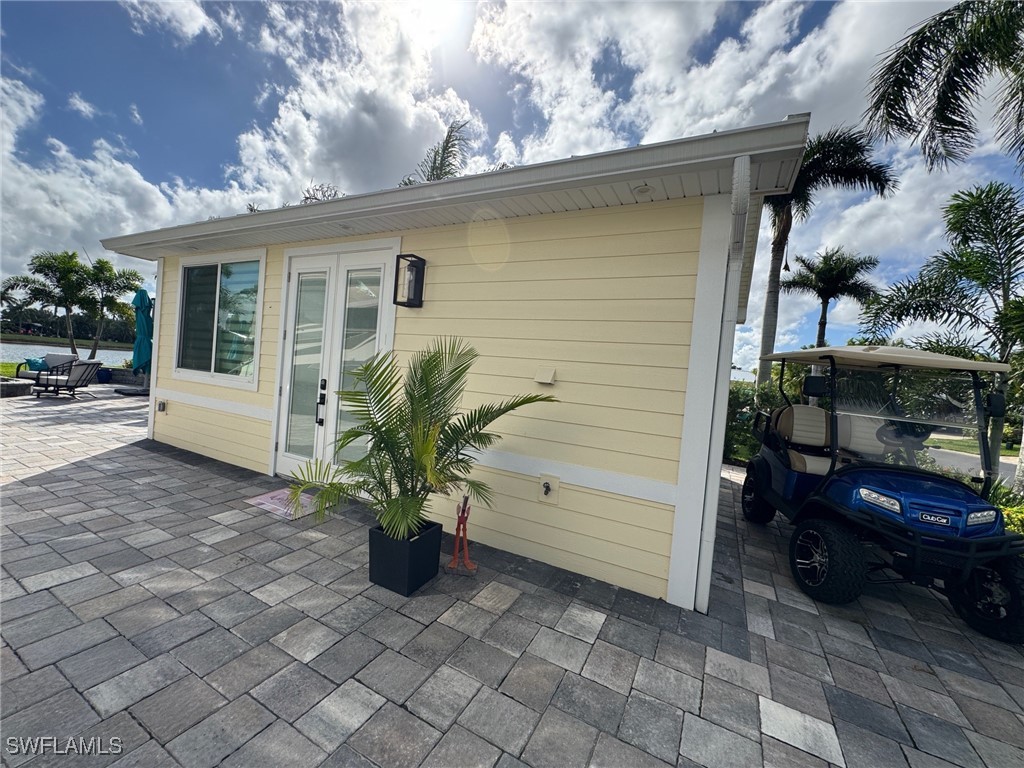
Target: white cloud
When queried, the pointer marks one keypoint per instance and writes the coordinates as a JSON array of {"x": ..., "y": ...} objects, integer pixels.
[
  {"x": 186, "y": 19},
  {"x": 81, "y": 106},
  {"x": 133, "y": 113}
]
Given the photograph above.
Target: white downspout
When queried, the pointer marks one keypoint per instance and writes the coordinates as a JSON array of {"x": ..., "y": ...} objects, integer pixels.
[{"x": 730, "y": 307}]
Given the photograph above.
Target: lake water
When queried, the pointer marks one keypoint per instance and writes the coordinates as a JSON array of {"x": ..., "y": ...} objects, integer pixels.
[{"x": 16, "y": 353}]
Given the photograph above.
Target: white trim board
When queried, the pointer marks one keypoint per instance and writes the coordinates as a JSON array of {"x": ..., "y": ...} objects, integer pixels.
[
  {"x": 213, "y": 404},
  {"x": 702, "y": 372},
  {"x": 631, "y": 486}
]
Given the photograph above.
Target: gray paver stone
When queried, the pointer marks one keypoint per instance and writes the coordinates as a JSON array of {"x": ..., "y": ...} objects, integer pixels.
[
  {"x": 173, "y": 633},
  {"x": 652, "y": 726},
  {"x": 234, "y": 609},
  {"x": 462, "y": 748},
  {"x": 715, "y": 747},
  {"x": 248, "y": 670},
  {"x": 177, "y": 708},
  {"x": 612, "y": 753},
  {"x": 277, "y": 746},
  {"x": 346, "y": 657},
  {"x": 391, "y": 628},
  {"x": 443, "y": 697},
  {"x": 560, "y": 741},
  {"x": 866, "y": 714},
  {"x": 468, "y": 619},
  {"x": 64, "y": 644},
  {"x": 486, "y": 663},
  {"x": 533, "y": 681},
  {"x": 681, "y": 654},
  {"x": 560, "y": 649},
  {"x": 207, "y": 743},
  {"x": 665, "y": 683},
  {"x": 210, "y": 651},
  {"x": 863, "y": 747},
  {"x": 581, "y": 622},
  {"x": 512, "y": 634},
  {"x": 339, "y": 715},
  {"x": 745, "y": 674},
  {"x": 394, "y": 676},
  {"x": 393, "y": 738},
  {"x": 60, "y": 715},
  {"x": 137, "y": 683},
  {"x": 426, "y": 608},
  {"x": 802, "y": 731},
  {"x": 270, "y": 622},
  {"x": 434, "y": 645},
  {"x": 290, "y": 693},
  {"x": 590, "y": 702},
  {"x": 496, "y": 597},
  {"x": 995, "y": 753},
  {"x": 350, "y": 616},
  {"x": 29, "y": 689},
  {"x": 537, "y": 609},
  {"x": 940, "y": 738},
  {"x": 500, "y": 720},
  {"x": 149, "y": 755},
  {"x": 142, "y": 617},
  {"x": 731, "y": 707},
  {"x": 611, "y": 666},
  {"x": 306, "y": 640}
]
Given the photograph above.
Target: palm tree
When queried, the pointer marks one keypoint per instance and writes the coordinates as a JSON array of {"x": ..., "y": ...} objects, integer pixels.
[
  {"x": 444, "y": 160},
  {"x": 975, "y": 287},
  {"x": 835, "y": 274},
  {"x": 106, "y": 290},
  {"x": 927, "y": 87},
  {"x": 420, "y": 441},
  {"x": 57, "y": 280},
  {"x": 840, "y": 157}
]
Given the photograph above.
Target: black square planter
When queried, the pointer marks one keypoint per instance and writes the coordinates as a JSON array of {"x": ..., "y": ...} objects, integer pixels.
[{"x": 405, "y": 565}]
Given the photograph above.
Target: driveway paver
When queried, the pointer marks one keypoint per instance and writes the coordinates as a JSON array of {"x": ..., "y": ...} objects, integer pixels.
[{"x": 144, "y": 599}]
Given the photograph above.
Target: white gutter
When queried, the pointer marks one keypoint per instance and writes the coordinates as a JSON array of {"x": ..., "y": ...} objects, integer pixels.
[{"x": 719, "y": 411}]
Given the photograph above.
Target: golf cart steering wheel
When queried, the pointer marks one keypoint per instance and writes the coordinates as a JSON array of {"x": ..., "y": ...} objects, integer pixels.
[{"x": 900, "y": 434}]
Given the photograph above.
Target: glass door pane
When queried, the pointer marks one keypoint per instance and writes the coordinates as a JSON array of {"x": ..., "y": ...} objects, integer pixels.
[
  {"x": 360, "y": 341},
  {"x": 307, "y": 352}
]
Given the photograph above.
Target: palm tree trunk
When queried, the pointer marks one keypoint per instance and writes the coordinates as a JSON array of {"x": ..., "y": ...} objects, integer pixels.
[
  {"x": 71, "y": 330},
  {"x": 770, "y": 318},
  {"x": 822, "y": 323},
  {"x": 96, "y": 339}
]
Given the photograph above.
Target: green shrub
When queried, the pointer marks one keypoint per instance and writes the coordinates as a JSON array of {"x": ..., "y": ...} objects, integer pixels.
[{"x": 1014, "y": 519}]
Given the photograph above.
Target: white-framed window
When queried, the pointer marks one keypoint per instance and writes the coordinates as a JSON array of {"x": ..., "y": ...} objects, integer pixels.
[{"x": 220, "y": 304}]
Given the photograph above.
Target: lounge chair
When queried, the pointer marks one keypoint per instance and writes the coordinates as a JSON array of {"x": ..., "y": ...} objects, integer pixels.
[
  {"x": 81, "y": 373},
  {"x": 57, "y": 364}
]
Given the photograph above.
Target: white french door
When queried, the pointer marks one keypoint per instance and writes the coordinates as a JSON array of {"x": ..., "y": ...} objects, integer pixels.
[{"x": 338, "y": 315}]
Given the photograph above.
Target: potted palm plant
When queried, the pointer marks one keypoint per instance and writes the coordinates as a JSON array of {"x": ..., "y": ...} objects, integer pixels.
[{"x": 418, "y": 442}]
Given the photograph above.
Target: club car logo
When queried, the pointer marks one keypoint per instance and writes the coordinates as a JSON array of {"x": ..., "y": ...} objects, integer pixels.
[{"x": 929, "y": 517}]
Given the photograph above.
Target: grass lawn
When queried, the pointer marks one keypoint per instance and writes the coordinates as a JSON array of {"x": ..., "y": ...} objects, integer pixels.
[
  {"x": 965, "y": 446},
  {"x": 7, "y": 369}
]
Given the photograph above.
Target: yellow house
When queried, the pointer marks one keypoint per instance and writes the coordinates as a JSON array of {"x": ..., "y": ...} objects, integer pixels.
[{"x": 612, "y": 281}]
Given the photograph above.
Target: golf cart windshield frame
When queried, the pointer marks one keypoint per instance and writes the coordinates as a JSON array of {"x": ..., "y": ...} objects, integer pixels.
[{"x": 977, "y": 384}]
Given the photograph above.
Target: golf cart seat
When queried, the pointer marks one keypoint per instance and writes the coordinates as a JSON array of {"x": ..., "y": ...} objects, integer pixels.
[
  {"x": 805, "y": 437},
  {"x": 857, "y": 437}
]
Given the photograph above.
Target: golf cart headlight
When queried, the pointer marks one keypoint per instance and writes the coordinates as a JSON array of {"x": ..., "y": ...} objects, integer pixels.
[
  {"x": 886, "y": 502},
  {"x": 982, "y": 517}
]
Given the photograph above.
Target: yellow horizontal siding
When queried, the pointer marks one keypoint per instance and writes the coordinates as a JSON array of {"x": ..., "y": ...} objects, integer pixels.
[
  {"x": 608, "y": 537},
  {"x": 238, "y": 440}
]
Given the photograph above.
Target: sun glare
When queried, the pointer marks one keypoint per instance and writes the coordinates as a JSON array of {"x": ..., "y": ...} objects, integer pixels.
[{"x": 434, "y": 23}]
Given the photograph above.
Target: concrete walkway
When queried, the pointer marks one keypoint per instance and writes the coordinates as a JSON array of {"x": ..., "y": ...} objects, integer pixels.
[{"x": 150, "y": 614}]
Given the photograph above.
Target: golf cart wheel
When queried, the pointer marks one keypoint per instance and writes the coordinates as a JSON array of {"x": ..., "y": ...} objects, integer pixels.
[
  {"x": 755, "y": 508},
  {"x": 827, "y": 561},
  {"x": 992, "y": 599}
]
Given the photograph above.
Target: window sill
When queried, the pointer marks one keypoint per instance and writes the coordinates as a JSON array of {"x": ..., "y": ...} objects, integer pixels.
[{"x": 248, "y": 384}]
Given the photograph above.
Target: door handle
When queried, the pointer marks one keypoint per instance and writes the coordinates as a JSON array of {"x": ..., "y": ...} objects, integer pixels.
[{"x": 321, "y": 401}]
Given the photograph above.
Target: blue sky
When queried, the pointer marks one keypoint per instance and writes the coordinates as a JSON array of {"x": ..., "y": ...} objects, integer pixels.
[{"x": 121, "y": 117}]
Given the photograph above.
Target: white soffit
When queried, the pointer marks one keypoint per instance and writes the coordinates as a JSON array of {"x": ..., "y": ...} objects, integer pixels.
[{"x": 690, "y": 167}]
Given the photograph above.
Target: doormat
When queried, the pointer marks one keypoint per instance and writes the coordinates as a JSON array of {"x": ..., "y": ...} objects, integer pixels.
[{"x": 276, "y": 502}]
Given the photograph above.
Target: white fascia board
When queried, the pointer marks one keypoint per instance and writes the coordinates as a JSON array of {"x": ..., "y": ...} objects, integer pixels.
[{"x": 784, "y": 138}]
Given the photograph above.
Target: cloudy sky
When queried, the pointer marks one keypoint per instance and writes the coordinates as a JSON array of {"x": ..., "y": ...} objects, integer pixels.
[{"x": 123, "y": 117}]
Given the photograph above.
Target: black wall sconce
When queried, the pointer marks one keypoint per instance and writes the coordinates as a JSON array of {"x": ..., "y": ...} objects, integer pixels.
[{"x": 409, "y": 271}]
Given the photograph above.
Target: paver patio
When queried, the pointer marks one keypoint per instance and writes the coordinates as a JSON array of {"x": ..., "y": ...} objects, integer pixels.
[{"x": 145, "y": 600}]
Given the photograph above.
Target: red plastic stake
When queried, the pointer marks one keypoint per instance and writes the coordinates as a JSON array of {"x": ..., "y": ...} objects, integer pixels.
[{"x": 461, "y": 538}]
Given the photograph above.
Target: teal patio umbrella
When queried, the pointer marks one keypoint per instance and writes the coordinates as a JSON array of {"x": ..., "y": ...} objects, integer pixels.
[{"x": 142, "y": 352}]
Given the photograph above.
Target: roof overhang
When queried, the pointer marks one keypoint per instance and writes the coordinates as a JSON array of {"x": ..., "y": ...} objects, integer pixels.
[
  {"x": 886, "y": 357},
  {"x": 684, "y": 168}
]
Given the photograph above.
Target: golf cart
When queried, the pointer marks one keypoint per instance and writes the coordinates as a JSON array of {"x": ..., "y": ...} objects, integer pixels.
[{"x": 852, "y": 469}]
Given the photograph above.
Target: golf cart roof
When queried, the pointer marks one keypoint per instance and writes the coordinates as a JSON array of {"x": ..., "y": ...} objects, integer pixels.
[{"x": 885, "y": 357}]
